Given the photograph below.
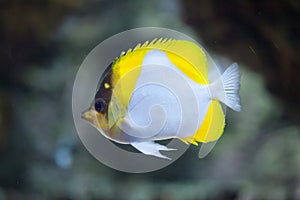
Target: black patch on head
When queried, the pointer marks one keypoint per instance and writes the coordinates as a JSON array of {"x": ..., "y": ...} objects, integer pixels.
[{"x": 103, "y": 95}]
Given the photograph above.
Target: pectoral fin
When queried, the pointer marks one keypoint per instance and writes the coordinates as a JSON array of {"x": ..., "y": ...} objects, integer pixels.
[{"x": 151, "y": 148}]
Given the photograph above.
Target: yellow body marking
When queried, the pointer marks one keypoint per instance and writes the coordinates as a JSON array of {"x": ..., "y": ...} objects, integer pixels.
[{"x": 190, "y": 59}]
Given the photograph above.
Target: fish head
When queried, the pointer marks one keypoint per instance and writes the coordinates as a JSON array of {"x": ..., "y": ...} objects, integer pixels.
[
  {"x": 95, "y": 115},
  {"x": 108, "y": 123}
]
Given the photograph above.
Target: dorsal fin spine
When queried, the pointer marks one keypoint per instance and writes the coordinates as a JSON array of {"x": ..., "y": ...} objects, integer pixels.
[
  {"x": 158, "y": 41},
  {"x": 145, "y": 44},
  {"x": 161, "y": 43},
  {"x": 153, "y": 41}
]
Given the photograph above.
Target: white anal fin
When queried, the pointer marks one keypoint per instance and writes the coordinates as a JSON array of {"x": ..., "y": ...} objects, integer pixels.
[{"x": 151, "y": 148}]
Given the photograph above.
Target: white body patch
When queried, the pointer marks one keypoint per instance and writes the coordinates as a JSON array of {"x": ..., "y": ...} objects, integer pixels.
[{"x": 165, "y": 102}]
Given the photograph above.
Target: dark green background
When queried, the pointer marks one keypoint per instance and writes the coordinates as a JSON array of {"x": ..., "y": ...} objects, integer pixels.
[{"x": 42, "y": 44}]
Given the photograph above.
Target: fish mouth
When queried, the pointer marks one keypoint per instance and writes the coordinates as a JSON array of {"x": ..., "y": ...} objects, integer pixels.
[
  {"x": 90, "y": 116},
  {"x": 112, "y": 131},
  {"x": 87, "y": 115},
  {"x": 98, "y": 120}
]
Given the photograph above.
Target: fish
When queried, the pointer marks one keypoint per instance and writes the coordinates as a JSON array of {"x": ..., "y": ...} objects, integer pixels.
[{"x": 160, "y": 90}]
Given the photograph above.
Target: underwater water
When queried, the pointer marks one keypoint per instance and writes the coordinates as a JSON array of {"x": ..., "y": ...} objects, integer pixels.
[{"x": 41, "y": 155}]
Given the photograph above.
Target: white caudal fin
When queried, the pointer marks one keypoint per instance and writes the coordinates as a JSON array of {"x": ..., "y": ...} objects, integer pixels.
[{"x": 226, "y": 89}]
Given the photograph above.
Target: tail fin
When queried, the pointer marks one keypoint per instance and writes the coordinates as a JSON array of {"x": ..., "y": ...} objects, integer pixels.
[{"x": 230, "y": 84}]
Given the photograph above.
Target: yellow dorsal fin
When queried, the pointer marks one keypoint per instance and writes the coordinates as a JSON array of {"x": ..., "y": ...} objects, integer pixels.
[
  {"x": 189, "y": 58},
  {"x": 185, "y": 55}
]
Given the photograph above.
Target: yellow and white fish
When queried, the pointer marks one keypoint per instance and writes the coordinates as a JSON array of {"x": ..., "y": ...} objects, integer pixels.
[{"x": 160, "y": 90}]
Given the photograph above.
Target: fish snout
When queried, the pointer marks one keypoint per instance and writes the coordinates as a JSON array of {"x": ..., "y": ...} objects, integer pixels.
[{"x": 87, "y": 115}]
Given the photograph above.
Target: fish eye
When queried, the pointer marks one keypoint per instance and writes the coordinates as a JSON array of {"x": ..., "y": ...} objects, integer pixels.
[{"x": 100, "y": 105}]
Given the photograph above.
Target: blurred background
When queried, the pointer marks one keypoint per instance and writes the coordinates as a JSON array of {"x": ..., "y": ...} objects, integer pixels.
[{"x": 42, "y": 44}]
